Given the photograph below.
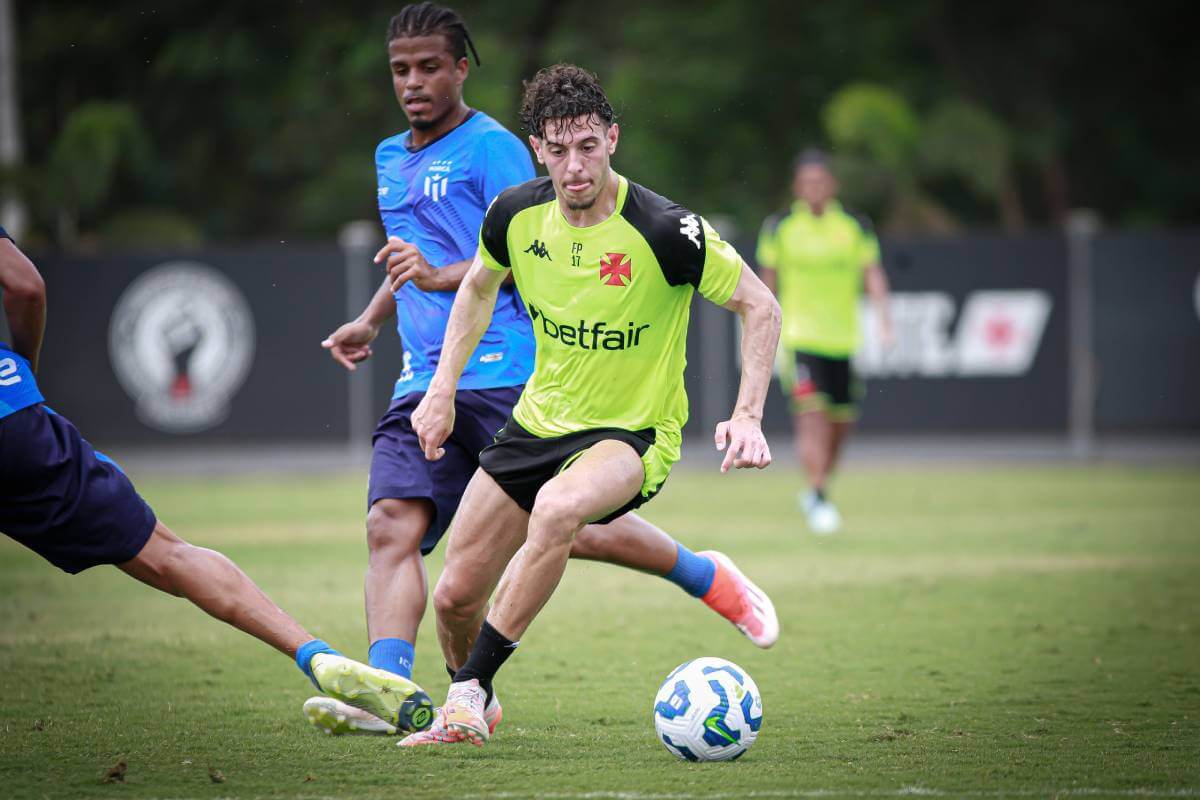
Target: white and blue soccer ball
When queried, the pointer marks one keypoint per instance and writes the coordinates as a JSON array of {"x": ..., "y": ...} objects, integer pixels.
[{"x": 708, "y": 709}]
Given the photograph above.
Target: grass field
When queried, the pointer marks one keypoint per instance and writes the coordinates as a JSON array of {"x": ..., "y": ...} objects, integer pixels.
[{"x": 983, "y": 632}]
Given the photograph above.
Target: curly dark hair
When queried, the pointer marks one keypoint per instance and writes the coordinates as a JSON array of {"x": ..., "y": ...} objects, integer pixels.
[
  {"x": 428, "y": 19},
  {"x": 561, "y": 93}
]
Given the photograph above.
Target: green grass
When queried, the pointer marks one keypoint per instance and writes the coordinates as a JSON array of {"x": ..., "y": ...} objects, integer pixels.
[{"x": 1024, "y": 632}]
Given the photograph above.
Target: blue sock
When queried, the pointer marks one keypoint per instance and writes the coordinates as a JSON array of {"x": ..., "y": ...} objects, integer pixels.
[
  {"x": 692, "y": 573},
  {"x": 305, "y": 653},
  {"x": 394, "y": 655}
]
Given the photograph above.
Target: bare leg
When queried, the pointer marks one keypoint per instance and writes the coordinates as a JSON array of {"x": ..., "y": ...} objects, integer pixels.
[
  {"x": 628, "y": 541},
  {"x": 396, "y": 585},
  {"x": 488, "y": 529},
  {"x": 838, "y": 438},
  {"x": 217, "y": 586},
  {"x": 603, "y": 479},
  {"x": 814, "y": 433}
]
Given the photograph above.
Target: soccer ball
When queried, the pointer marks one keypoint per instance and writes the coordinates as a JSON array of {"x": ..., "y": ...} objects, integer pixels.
[{"x": 708, "y": 709}]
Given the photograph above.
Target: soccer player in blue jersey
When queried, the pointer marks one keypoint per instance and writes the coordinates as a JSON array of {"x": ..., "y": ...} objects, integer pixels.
[
  {"x": 435, "y": 181},
  {"x": 74, "y": 507}
]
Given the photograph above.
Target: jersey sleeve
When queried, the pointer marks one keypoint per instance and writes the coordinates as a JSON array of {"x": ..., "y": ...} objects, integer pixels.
[
  {"x": 493, "y": 237},
  {"x": 722, "y": 267},
  {"x": 493, "y": 234},
  {"x": 506, "y": 162},
  {"x": 4, "y": 235},
  {"x": 767, "y": 252}
]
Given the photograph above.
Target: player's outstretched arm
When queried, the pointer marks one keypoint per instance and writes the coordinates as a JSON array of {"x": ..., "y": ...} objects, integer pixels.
[
  {"x": 24, "y": 301},
  {"x": 351, "y": 343},
  {"x": 469, "y": 318},
  {"x": 761, "y": 319},
  {"x": 877, "y": 289}
]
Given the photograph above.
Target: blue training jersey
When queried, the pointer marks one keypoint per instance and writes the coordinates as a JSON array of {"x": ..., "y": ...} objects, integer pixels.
[
  {"x": 435, "y": 197},
  {"x": 18, "y": 388}
]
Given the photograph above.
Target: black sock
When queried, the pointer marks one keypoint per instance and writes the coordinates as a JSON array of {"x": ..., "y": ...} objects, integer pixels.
[
  {"x": 451, "y": 671},
  {"x": 488, "y": 654},
  {"x": 820, "y": 493}
]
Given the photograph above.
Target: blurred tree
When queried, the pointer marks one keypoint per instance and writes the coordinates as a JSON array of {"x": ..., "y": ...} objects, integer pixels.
[
  {"x": 97, "y": 140},
  {"x": 963, "y": 141},
  {"x": 876, "y": 132},
  {"x": 260, "y": 119}
]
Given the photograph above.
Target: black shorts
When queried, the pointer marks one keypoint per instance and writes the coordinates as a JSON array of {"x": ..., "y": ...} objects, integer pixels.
[
  {"x": 826, "y": 384},
  {"x": 523, "y": 463},
  {"x": 60, "y": 498}
]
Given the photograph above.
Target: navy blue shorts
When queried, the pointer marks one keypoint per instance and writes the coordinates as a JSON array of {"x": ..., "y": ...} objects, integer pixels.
[
  {"x": 399, "y": 470},
  {"x": 60, "y": 498}
]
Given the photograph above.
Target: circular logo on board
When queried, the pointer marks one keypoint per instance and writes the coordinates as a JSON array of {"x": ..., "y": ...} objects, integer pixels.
[
  {"x": 181, "y": 341},
  {"x": 1197, "y": 295}
]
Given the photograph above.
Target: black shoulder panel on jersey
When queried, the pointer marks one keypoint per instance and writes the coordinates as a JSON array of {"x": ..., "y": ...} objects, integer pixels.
[
  {"x": 863, "y": 221},
  {"x": 507, "y": 205},
  {"x": 674, "y": 234}
]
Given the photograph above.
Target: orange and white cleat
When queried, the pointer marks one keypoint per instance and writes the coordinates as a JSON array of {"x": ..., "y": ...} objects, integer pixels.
[
  {"x": 737, "y": 599},
  {"x": 461, "y": 719},
  {"x": 439, "y": 734}
]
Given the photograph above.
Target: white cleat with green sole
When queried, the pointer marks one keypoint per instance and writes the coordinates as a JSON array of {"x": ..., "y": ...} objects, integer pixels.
[{"x": 339, "y": 719}]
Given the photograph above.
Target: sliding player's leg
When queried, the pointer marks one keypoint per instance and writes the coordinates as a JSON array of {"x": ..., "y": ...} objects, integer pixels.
[{"x": 77, "y": 509}]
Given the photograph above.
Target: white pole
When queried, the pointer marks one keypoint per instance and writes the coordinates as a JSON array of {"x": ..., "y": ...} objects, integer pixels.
[
  {"x": 1082, "y": 227},
  {"x": 12, "y": 210},
  {"x": 358, "y": 241}
]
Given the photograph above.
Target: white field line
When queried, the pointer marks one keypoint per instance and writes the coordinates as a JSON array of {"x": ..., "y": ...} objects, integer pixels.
[{"x": 906, "y": 791}]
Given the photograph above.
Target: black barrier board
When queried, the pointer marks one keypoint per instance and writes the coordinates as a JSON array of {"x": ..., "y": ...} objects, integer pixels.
[
  {"x": 1147, "y": 331},
  {"x": 216, "y": 346},
  {"x": 981, "y": 338}
]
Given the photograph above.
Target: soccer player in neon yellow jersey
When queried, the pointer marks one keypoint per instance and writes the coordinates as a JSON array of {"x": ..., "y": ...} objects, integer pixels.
[
  {"x": 607, "y": 270},
  {"x": 817, "y": 258}
]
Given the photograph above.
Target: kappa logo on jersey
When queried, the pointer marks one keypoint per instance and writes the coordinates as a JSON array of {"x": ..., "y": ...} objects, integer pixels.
[
  {"x": 437, "y": 180},
  {"x": 589, "y": 335},
  {"x": 689, "y": 226},
  {"x": 616, "y": 269},
  {"x": 539, "y": 250}
]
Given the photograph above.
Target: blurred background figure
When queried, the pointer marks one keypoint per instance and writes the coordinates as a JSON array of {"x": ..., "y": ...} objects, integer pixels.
[{"x": 817, "y": 257}]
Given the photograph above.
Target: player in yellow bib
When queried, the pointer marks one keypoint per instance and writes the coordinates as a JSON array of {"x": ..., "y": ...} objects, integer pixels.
[
  {"x": 817, "y": 258},
  {"x": 607, "y": 270}
]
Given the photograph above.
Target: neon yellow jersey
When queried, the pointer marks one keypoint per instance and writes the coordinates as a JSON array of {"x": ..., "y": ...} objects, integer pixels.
[
  {"x": 819, "y": 263},
  {"x": 610, "y": 306}
]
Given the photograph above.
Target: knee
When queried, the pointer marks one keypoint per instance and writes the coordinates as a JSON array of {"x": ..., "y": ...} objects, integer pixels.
[
  {"x": 393, "y": 530},
  {"x": 453, "y": 602},
  {"x": 555, "y": 518}
]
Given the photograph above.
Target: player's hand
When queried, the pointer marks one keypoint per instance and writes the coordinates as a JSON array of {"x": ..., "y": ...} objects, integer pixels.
[
  {"x": 433, "y": 421},
  {"x": 406, "y": 263},
  {"x": 744, "y": 444},
  {"x": 351, "y": 343},
  {"x": 887, "y": 337}
]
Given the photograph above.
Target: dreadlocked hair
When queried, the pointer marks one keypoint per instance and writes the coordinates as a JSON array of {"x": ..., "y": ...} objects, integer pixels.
[
  {"x": 558, "y": 95},
  {"x": 428, "y": 19}
]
